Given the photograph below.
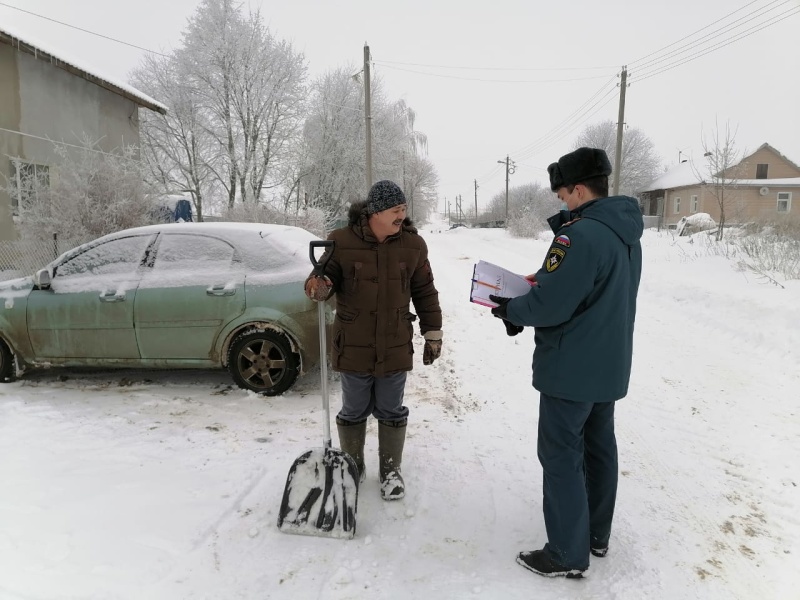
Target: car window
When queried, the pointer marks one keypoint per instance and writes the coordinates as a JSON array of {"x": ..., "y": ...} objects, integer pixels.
[
  {"x": 188, "y": 253},
  {"x": 116, "y": 257}
]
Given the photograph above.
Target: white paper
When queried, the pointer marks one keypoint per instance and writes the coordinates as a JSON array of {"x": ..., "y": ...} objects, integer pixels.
[{"x": 489, "y": 279}]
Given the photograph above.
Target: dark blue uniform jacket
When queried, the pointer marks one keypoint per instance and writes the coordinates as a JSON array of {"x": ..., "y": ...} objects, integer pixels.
[{"x": 584, "y": 303}]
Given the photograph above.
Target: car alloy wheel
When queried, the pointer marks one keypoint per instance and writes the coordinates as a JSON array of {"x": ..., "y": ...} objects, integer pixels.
[{"x": 263, "y": 362}]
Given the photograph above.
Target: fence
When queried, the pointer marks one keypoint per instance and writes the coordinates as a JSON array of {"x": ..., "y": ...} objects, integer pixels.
[{"x": 20, "y": 258}]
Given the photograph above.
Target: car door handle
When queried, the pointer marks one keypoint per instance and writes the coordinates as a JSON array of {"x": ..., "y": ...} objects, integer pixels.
[
  {"x": 112, "y": 297},
  {"x": 220, "y": 290}
]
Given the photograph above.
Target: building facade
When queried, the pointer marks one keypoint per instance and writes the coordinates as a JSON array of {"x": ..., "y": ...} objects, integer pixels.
[
  {"x": 762, "y": 187},
  {"x": 47, "y": 101}
]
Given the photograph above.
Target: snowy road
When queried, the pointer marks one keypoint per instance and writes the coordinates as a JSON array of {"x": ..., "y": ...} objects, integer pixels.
[{"x": 135, "y": 485}]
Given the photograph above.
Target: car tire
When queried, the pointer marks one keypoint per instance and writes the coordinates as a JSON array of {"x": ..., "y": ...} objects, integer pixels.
[
  {"x": 263, "y": 361},
  {"x": 6, "y": 363}
]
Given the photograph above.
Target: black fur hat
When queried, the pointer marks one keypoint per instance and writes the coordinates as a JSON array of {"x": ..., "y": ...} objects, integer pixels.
[
  {"x": 579, "y": 165},
  {"x": 383, "y": 195}
]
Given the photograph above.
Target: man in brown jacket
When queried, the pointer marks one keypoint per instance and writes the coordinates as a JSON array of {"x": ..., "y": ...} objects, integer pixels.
[{"x": 378, "y": 266}]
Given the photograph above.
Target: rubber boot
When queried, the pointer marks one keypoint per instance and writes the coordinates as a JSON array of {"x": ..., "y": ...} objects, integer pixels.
[
  {"x": 391, "y": 439},
  {"x": 351, "y": 440}
]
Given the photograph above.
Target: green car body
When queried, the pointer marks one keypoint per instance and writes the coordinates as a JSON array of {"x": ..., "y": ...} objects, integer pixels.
[{"x": 187, "y": 295}]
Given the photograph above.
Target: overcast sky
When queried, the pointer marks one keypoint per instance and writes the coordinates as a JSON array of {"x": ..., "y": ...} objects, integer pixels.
[{"x": 507, "y": 77}]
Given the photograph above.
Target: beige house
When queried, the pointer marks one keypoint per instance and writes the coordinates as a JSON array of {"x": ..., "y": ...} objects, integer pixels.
[
  {"x": 760, "y": 188},
  {"x": 46, "y": 99}
]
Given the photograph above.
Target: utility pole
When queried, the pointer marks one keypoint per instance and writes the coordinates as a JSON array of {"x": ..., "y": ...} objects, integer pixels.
[
  {"x": 620, "y": 124},
  {"x": 409, "y": 197},
  {"x": 509, "y": 171},
  {"x": 367, "y": 115},
  {"x": 476, "y": 201}
]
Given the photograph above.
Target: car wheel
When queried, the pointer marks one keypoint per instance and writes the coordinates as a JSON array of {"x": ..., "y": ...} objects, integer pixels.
[
  {"x": 6, "y": 363},
  {"x": 262, "y": 361}
]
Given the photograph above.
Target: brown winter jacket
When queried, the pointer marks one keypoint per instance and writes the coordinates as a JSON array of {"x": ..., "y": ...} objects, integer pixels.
[{"x": 374, "y": 283}]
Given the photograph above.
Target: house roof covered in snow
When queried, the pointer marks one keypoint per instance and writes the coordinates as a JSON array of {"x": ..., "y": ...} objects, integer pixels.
[
  {"x": 689, "y": 173},
  {"x": 59, "y": 59},
  {"x": 682, "y": 175}
]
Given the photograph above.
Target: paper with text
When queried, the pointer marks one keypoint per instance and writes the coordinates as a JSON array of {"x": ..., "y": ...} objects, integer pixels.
[{"x": 489, "y": 279}]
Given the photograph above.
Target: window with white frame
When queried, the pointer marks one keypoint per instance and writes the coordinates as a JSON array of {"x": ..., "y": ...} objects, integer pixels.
[
  {"x": 676, "y": 205},
  {"x": 28, "y": 180},
  {"x": 784, "y": 202},
  {"x": 693, "y": 204}
]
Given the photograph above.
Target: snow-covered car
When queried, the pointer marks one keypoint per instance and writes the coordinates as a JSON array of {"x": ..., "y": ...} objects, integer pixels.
[{"x": 193, "y": 295}]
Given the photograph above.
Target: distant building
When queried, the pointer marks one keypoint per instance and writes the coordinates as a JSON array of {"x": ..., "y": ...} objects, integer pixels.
[
  {"x": 760, "y": 187},
  {"x": 46, "y": 98}
]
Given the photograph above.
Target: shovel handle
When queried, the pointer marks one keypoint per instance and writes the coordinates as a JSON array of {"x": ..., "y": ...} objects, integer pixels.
[{"x": 319, "y": 265}]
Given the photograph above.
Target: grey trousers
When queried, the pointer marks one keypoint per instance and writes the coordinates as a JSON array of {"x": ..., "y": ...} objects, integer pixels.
[{"x": 364, "y": 395}]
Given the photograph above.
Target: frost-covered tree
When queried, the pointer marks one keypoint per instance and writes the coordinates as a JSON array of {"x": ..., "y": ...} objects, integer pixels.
[
  {"x": 721, "y": 158},
  {"x": 640, "y": 163},
  {"x": 335, "y": 149},
  {"x": 334, "y": 143},
  {"x": 420, "y": 182},
  {"x": 88, "y": 193},
  {"x": 252, "y": 86},
  {"x": 178, "y": 149},
  {"x": 529, "y": 206},
  {"x": 406, "y": 147}
]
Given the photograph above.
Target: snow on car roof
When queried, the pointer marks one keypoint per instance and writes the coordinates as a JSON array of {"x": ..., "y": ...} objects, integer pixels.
[{"x": 263, "y": 246}]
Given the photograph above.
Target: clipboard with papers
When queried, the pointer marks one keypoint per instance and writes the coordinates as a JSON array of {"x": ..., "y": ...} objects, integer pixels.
[{"x": 489, "y": 279}]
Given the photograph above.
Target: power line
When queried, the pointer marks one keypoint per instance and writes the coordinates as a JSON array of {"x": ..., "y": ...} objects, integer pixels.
[
  {"x": 585, "y": 111},
  {"x": 387, "y": 66},
  {"x": 727, "y": 42},
  {"x": 638, "y": 60},
  {"x": 582, "y": 115},
  {"x": 391, "y": 62},
  {"x": 702, "y": 43},
  {"x": 558, "y": 132},
  {"x": 81, "y": 29},
  {"x": 699, "y": 42},
  {"x": 38, "y": 137}
]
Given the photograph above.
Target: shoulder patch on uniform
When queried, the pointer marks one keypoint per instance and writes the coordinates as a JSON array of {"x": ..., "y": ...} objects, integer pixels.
[
  {"x": 562, "y": 240},
  {"x": 554, "y": 259}
]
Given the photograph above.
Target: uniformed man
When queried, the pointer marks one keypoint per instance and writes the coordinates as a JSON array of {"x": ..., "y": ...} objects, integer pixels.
[{"x": 582, "y": 306}]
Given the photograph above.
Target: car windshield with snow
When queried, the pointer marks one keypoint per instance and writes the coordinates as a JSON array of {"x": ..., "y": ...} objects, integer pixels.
[{"x": 194, "y": 295}]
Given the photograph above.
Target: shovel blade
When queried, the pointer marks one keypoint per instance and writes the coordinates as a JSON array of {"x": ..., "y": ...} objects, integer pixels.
[{"x": 321, "y": 495}]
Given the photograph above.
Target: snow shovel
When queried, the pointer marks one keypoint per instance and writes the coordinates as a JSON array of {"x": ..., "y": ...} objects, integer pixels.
[{"x": 321, "y": 493}]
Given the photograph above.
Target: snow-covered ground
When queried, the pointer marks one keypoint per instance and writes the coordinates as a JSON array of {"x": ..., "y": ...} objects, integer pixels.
[{"x": 146, "y": 485}]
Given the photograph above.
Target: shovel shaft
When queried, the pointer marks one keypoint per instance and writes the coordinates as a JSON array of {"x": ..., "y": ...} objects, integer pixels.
[
  {"x": 319, "y": 271},
  {"x": 323, "y": 370}
]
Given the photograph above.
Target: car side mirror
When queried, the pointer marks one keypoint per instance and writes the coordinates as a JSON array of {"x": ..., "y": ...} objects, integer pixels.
[{"x": 42, "y": 279}]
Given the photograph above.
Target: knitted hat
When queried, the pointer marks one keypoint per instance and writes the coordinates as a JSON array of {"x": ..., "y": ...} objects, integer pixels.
[
  {"x": 383, "y": 195},
  {"x": 578, "y": 166}
]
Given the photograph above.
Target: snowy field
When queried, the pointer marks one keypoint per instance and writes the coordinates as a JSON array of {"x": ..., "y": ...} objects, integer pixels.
[{"x": 147, "y": 486}]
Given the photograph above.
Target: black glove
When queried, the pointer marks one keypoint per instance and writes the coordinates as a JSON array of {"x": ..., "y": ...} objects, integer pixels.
[
  {"x": 512, "y": 329},
  {"x": 500, "y": 311}
]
